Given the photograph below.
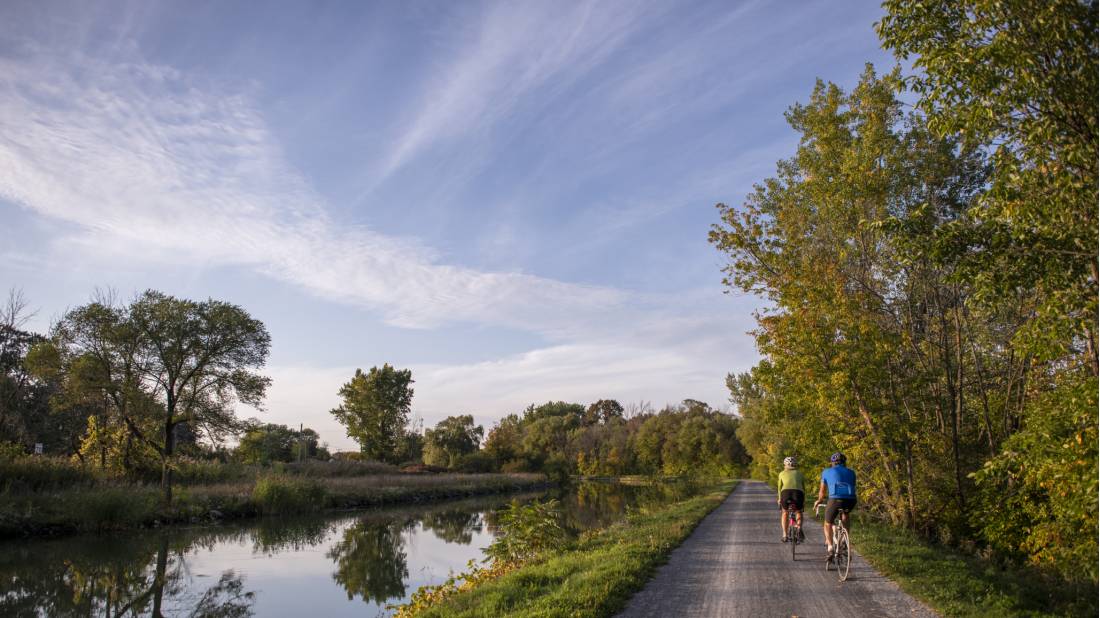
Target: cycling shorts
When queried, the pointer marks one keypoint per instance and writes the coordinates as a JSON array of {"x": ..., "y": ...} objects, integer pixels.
[
  {"x": 834, "y": 506},
  {"x": 792, "y": 496}
]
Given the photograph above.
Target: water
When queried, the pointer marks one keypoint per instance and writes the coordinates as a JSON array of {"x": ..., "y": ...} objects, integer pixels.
[{"x": 349, "y": 564}]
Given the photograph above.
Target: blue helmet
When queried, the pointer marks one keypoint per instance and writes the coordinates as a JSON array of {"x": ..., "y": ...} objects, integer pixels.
[{"x": 838, "y": 458}]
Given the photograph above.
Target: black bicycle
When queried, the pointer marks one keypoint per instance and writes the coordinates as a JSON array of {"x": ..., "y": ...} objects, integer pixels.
[
  {"x": 841, "y": 556},
  {"x": 794, "y": 529}
]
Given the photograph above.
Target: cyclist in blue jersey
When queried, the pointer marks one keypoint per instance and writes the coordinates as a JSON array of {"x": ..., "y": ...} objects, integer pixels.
[{"x": 839, "y": 484}]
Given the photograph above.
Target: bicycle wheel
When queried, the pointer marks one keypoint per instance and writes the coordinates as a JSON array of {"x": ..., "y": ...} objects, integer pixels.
[
  {"x": 843, "y": 553},
  {"x": 793, "y": 533}
]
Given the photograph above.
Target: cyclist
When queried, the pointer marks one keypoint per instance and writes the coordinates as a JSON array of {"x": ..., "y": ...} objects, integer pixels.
[
  {"x": 792, "y": 494},
  {"x": 839, "y": 482}
]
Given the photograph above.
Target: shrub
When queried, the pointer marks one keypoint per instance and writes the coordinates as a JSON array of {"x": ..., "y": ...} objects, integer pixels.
[
  {"x": 10, "y": 451},
  {"x": 527, "y": 531},
  {"x": 475, "y": 462},
  {"x": 276, "y": 494}
]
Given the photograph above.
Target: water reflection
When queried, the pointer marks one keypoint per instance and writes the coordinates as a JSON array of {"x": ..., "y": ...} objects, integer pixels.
[
  {"x": 105, "y": 579},
  {"x": 370, "y": 560},
  {"x": 328, "y": 565}
]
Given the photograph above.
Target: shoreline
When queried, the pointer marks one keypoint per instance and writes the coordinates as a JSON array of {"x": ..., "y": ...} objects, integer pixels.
[{"x": 120, "y": 507}]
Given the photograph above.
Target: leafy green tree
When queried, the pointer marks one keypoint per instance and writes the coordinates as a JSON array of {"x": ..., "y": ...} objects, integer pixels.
[
  {"x": 1019, "y": 79},
  {"x": 268, "y": 443},
  {"x": 451, "y": 438},
  {"x": 161, "y": 362},
  {"x": 198, "y": 359},
  {"x": 376, "y": 409}
]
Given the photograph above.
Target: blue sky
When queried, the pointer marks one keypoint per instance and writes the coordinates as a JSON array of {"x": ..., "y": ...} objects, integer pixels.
[{"x": 509, "y": 198}]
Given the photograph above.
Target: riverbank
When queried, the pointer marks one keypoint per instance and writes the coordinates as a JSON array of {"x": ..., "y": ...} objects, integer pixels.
[
  {"x": 591, "y": 577},
  {"x": 112, "y": 506},
  {"x": 957, "y": 584}
]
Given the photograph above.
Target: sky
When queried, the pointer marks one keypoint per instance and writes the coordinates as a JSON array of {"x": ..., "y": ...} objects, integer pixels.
[{"x": 511, "y": 199}]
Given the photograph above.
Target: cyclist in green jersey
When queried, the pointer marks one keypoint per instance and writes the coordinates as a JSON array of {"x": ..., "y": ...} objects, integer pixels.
[{"x": 792, "y": 492}]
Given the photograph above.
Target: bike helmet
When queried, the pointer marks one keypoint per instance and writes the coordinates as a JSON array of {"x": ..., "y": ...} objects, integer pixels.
[
  {"x": 838, "y": 458},
  {"x": 790, "y": 462}
]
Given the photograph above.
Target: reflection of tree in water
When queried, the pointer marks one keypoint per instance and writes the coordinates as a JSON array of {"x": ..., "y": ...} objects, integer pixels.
[
  {"x": 113, "y": 577},
  {"x": 272, "y": 536},
  {"x": 371, "y": 561},
  {"x": 453, "y": 526}
]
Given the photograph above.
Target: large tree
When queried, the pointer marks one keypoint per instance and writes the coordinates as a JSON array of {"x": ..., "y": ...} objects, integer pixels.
[
  {"x": 161, "y": 363},
  {"x": 376, "y": 409}
]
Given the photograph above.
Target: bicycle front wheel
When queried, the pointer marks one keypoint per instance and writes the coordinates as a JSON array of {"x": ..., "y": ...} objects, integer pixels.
[{"x": 843, "y": 554}]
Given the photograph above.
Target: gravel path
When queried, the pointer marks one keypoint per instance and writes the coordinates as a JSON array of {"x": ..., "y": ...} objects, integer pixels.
[{"x": 735, "y": 565}]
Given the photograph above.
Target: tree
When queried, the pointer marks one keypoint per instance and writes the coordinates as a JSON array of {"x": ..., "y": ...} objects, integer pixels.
[
  {"x": 162, "y": 362},
  {"x": 267, "y": 443},
  {"x": 603, "y": 411},
  {"x": 376, "y": 409},
  {"x": 451, "y": 438},
  {"x": 1019, "y": 79}
]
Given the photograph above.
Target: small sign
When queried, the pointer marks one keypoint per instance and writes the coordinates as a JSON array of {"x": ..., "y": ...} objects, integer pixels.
[{"x": 37, "y": 448}]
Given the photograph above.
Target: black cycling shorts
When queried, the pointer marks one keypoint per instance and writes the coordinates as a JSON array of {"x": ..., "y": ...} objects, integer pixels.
[
  {"x": 834, "y": 506},
  {"x": 792, "y": 495}
]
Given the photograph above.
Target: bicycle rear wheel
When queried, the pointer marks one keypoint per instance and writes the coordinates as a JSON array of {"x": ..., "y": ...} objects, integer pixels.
[
  {"x": 843, "y": 553},
  {"x": 793, "y": 533}
]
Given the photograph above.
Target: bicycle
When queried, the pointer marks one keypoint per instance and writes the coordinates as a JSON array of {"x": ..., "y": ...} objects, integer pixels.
[
  {"x": 794, "y": 529},
  {"x": 842, "y": 546}
]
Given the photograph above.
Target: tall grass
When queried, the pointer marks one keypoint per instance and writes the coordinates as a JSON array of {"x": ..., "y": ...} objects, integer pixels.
[
  {"x": 40, "y": 474},
  {"x": 280, "y": 494}
]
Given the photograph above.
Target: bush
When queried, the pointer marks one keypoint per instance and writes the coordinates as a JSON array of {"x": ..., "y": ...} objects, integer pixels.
[
  {"x": 10, "y": 451},
  {"x": 479, "y": 462},
  {"x": 278, "y": 494},
  {"x": 527, "y": 531}
]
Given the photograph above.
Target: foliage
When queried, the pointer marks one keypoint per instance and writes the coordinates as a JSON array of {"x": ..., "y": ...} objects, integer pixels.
[
  {"x": 451, "y": 438},
  {"x": 893, "y": 337},
  {"x": 279, "y": 494},
  {"x": 527, "y": 531},
  {"x": 156, "y": 374},
  {"x": 270, "y": 442},
  {"x": 376, "y": 409},
  {"x": 562, "y": 439},
  {"x": 1019, "y": 79}
]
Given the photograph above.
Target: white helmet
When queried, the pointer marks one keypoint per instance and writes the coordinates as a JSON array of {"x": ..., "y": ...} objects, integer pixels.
[{"x": 790, "y": 462}]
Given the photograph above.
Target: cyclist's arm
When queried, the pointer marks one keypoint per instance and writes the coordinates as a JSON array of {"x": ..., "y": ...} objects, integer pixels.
[{"x": 822, "y": 491}]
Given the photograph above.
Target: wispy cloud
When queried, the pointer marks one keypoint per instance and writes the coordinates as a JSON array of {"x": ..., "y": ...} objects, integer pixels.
[
  {"x": 507, "y": 55},
  {"x": 149, "y": 163}
]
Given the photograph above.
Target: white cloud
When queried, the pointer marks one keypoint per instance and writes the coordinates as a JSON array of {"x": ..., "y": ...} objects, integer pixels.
[{"x": 150, "y": 165}]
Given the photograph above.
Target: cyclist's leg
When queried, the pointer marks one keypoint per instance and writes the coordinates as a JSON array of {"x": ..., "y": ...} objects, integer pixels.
[{"x": 831, "y": 511}]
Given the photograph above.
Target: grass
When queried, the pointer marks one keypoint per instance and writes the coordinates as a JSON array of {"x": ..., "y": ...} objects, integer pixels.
[
  {"x": 593, "y": 577},
  {"x": 957, "y": 584},
  {"x": 80, "y": 508}
]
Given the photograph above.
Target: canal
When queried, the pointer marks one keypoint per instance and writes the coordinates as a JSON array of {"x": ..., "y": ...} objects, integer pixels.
[{"x": 345, "y": 564}]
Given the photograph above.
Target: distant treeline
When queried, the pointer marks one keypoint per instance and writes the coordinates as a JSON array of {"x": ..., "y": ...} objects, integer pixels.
[
  {"x": 139, "y": 390},
  {"x": 932, "y": 279}
]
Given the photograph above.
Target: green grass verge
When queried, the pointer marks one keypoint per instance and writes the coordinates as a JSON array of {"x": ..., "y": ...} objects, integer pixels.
[
  {"x": 594, "y": 577},
  {"x": 957, "y": 584}
]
